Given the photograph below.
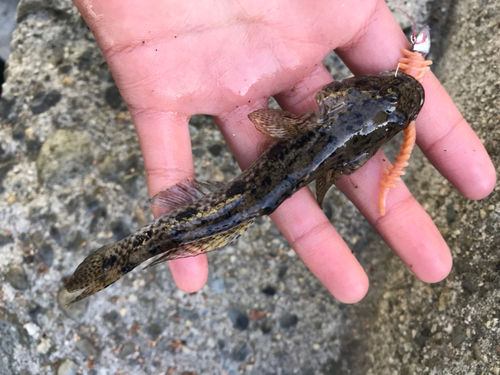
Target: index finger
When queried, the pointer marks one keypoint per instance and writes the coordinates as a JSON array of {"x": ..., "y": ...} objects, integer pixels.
[{"x": 166, "y": 148}]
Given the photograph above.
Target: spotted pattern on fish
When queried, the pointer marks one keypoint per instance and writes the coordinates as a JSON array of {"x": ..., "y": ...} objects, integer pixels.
[{"x": 354, "y": 118}]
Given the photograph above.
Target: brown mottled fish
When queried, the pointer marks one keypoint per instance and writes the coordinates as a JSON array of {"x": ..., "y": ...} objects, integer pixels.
[{"x": 354, "y": 118}]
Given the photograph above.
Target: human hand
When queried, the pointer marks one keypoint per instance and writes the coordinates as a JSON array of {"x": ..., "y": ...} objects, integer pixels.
[{"x": 174, "y": 59}]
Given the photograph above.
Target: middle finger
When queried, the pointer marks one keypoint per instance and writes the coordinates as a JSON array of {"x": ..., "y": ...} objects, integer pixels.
[{"x": 299, "y": 218}]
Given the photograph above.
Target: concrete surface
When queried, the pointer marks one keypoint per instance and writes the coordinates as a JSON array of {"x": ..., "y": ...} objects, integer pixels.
[
  {"x": 261, "y": 311},
  {"x": 7, "y": 25}
]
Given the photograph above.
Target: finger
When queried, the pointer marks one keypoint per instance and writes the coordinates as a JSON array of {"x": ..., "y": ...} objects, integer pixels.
[
  {"x": 299, "y": 218},
  {"x": 442, "y": 133},
  {"x": 451, "y": 144},
  {"x": 409, "y": 231},
  {"x": 406, "y": 227},
  {"x": 166, "y": 148},
  {"x": 320, "y": 247}
]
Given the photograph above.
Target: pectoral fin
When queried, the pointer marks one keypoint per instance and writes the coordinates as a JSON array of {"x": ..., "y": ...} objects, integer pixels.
[
  {"x": 282, "y": 124},
  {"x": 203, "y": 245},
  {"x": 324, "y": 183}
]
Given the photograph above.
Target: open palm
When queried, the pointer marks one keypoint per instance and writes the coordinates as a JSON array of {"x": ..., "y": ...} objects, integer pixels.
[{"x": 174, "y": 59}]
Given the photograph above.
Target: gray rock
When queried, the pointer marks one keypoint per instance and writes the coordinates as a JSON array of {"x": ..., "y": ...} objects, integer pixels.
[
  {"x": 5, "y": 238},
  {"x": 269, "y": 291},
  {"x": 266, "y": 325},
  {"x": 238, "y": 318},
  {"x": 133, "y": 183},
  {"x": 5, "y": 167},
  {"x": 127, "y": 349},
  {"x": 282, "y": 271},
  {"x": 110, "y": 168},
  {"x": 44, "y": 251},
  {"x": 113, "y": 97},
  {"x": 476, "y": 350},
  {"x": 87, "y": 348},
  {"x": 458, "y": 336},
  {"x": 43, "y": 100},
  {"x": 65, "y": 155},
  {"x": 217, "y": 285},
  {"x": 17, "y": 277},
  {"x": 58, "y": 8},
  {"x": 215, "y": 150},
  {"x": 153, "y": 331},
  {"x": 288, "y": 321},
  {"x": 67, "y": 367},
  {"x": 240, "y": 352},
  {"x": 46, "y": 254},
  {"x": 12, "y": 328},
  {"x": 188, "y": 314},
  {"x": 111, "y": 319},
  {"x": 13, "y": 336},
  {"x": 120, "y": 230}
]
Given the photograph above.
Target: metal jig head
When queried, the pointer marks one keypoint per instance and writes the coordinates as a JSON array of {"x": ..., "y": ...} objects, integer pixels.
[{"x": 422, "y": 43}]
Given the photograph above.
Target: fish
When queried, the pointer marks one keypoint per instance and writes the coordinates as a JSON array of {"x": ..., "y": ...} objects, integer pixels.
[{"x": 354, "y": 118}]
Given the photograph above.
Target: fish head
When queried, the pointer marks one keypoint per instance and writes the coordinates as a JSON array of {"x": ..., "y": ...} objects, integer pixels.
[
  {"x": 380, "y": 106},
  {"x": 364, "y": 112},
  {"x": 99, "y": 270}
]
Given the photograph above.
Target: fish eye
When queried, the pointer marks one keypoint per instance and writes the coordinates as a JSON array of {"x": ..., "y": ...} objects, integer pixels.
[{"x": 391, "y": 98}]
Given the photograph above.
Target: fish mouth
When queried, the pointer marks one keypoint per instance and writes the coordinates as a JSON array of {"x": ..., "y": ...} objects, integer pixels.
[{"x": 411, "y": 93}]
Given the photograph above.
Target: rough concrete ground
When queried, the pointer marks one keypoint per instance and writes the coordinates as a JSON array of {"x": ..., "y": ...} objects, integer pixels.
[
  {"x": 261, "y": 312},
  {"x": 7, "y": 25}
]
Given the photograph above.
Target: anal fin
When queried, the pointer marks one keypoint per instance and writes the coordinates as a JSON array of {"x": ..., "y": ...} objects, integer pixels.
[{"x": 203, "y": 245}]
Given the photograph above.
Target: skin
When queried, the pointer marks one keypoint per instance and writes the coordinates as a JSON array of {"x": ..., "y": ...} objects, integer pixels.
[{"x": 174, "y": 59}]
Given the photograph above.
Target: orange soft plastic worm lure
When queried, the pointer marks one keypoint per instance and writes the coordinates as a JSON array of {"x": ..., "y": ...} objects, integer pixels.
[{"x": 414, "y": 64}]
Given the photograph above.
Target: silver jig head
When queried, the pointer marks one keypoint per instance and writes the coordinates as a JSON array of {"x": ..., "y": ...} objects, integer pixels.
[{"x": 422, "y": 43}]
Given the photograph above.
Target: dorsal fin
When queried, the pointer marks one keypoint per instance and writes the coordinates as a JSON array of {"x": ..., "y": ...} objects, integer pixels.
[
  {"x": 184, "y": 192},
  {"x": 282, "y": 124}
]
